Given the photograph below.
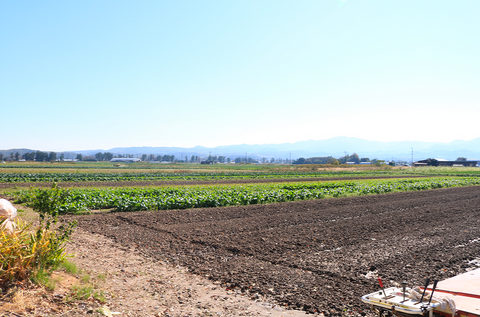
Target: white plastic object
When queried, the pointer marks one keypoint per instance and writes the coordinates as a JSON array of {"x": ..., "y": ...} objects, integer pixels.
[{"x": 7, "y": 213}]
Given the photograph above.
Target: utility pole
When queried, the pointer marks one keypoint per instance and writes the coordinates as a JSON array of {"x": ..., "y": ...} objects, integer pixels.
[
  {"x": 290, "y": 158},
  {"x": 412, "y": 156}
]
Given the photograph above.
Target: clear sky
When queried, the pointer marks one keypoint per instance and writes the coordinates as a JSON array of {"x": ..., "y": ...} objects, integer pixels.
[{"x": 77, "y": 75}]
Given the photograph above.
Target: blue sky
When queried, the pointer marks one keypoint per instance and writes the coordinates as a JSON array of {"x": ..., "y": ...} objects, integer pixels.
[{"x": 78, "y": 75}]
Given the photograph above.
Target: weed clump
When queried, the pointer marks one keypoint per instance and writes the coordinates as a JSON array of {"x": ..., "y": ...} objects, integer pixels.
[
  {"x": 30, "y": 253},
  {"x": 24, "y": 252}
]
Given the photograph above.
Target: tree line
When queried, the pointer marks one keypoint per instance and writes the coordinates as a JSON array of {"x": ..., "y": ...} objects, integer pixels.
[
  {"x": 354, "y": 158},
  {"x": 40, "y": 156},
  {"x": 33, "y": 156}
]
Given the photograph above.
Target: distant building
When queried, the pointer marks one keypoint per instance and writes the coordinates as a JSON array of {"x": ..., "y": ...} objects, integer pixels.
[
  {"x": 442, "y": 162},
  {"x": 125, "y": 160}
]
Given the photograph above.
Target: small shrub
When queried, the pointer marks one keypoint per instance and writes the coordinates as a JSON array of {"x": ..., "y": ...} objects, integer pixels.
[
  {"x": 100, "y": 296},
  {"x": 17, "y": 254},
  {"x": 85, "y": 278},
  {"x": 101, "y": 277},
  {"x": 81, "y": 292},
  {"x": 69, "y": 267},
  {"x": 44, "y": 278},
  {"x": 30, "y": 252},
  {"x": 25, "y": 254}
]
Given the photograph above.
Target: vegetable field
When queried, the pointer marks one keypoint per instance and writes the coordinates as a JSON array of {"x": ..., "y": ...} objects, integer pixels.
[
  {"x": 164, "y": 198},
  {"x": 46, "y": 177},
  {"x": 320, "y": 256}
]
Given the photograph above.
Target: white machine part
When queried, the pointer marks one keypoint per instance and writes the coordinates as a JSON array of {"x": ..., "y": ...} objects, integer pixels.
[{"x": 394, "y": 301}]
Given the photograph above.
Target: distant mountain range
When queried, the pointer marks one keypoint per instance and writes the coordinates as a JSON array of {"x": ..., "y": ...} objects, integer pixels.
[{"x": 336, "y": 147}]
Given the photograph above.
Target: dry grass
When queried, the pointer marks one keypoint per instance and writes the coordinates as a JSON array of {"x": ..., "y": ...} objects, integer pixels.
[
  {"x": 20, "y": 300},
  {"x": 32, "y": 300}
]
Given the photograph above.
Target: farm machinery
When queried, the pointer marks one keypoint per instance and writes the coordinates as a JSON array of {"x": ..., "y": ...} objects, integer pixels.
[{"x": 458, "y": 296}]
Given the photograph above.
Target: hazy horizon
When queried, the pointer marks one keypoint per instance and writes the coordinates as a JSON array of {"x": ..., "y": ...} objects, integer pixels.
[
  {"x": 336, "y": 147},
  {"x": 109, "y": 74}
]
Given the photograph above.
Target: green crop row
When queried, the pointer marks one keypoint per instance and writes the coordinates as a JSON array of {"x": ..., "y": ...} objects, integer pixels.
[
  {"x": 110, "y": 177},
  {"x": 216, "y": 175},
  {"x": 138, "y": 199}
]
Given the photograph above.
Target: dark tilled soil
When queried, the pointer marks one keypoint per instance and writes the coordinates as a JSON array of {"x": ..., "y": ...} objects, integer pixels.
[
  {"x": 193, "y": 182},
  {"x": 312, "y": 255}
]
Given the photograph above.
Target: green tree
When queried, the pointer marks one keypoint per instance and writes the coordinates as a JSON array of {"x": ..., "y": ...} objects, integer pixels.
[
  {"x": 144, "y": 157},
  {"x": 354, "y": 158},
  {"x": 432, "y": 162},
  {"x": 52, "y": 157},
  {"x": 17, "y": 156},
  {"x": 461, "y": 159},
  {"x": 300, "y": 160},
  {"x": 29, "y": 156},
  {"x": 41, "y": 156},
  {"x": 99, "y": 156},
  {"x": 107, "y": 156},
  {"x": 79, "y": 157},
  {"x": 333, "y": 161},
  {"x": 62, "y": 157}
]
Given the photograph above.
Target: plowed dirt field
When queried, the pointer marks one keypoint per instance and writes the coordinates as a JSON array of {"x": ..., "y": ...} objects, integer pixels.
[{"x": 312, "y": 255}]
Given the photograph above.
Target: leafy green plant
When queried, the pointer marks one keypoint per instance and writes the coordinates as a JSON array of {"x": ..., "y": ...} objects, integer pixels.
[
  {"x": 101, "y": 277},
  {"x": 43, "y": 277},
  {"x": 99, "y": 296},
  {"x": 88, "y": 288},
  {"x": 164, "y": 198},
  {"x": 29, "y": 254},
  {"x": 85, "y": 278},
  {"x": 309, "y": 171},
  {"x": 69, "y": 267},
  {"x": 81, "y": 292}
]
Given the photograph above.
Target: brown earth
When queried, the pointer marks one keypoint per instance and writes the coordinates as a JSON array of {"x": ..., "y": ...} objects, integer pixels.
[
  {"x": 193, "y": 182},
  {"x": 312, "y": 255}
]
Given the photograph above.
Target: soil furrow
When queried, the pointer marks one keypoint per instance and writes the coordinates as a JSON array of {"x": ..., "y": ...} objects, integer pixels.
[{"x": 314, "y": 255}]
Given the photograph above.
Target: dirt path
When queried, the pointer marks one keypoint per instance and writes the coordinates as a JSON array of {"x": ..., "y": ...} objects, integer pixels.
[
  {"x": 311, "y": 255},
  {"x": 136, "y": 285}
]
